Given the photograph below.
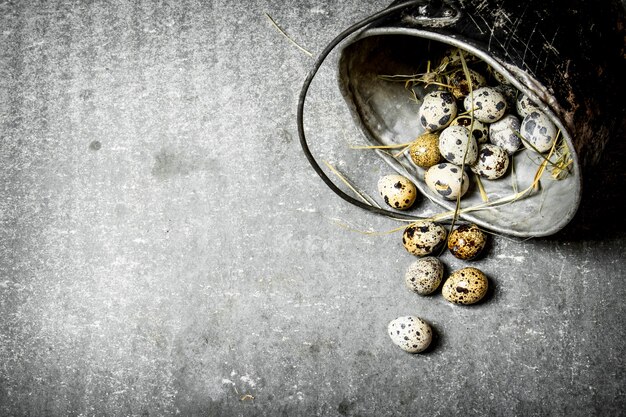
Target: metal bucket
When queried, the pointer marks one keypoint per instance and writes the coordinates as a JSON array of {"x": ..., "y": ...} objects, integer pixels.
[{"x": 568, "y": 57}]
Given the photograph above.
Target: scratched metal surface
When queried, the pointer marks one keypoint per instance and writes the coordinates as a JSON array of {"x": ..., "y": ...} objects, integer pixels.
[{"x": 166, "y": 249}]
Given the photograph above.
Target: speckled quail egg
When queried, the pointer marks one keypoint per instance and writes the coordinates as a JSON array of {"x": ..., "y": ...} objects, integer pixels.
[
  {"x": 437, "y": 110},
  {"x": 397, "y": 191},
  {"x": 510, "y": 94},
  {"x": 423, "y": 237},
  {"x": 465, "y": 286},
  {"x": 410, "y": 333},
  {"x": 480, "y": 131},
  {"x": 538, "y": 131},
  {"x": 505, "y": 133},
  {"x": 445, "y": 180},
  {"x": 492, "y": 163},
  {"x": 424, "y": 151},
  {"x": 456, "y": 144},
  {"x": 467, "y": 241},
  {"x": 424, "y": 275},
  {"x": 487, "y": 104},
  {"x": 459, "y": 85},
  {"x": 497, "y": 76},
  {"x": 524, "y": 106}
]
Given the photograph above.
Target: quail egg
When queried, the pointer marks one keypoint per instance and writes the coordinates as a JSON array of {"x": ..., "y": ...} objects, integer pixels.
[
  {"x": 524, "y": 106},
  {"x": 465, "y": 286},
  {"x": 467, "y": 241},
  {"x": 437, "y": 110},
  {"x": 510, "y": 94},
  {"x": 497, "y": 76},
  {"x": 397, "y": 191},
  {"x": 480, "y": 131},
  {"x": 410, "y": 333},
  {"x": 424, "y": 151},
  {"x": 538, "y": 131},
  {"x": 505, "y": 133},
  {"x": 423, "y": 237},
  {"x": 459, "y": 83},
  {"x": 486, "y": 103},
  {"x": 445, "y": 180},
  {"x": 456, "y": 145},
  {"x": 424, "y": 275},
  {"x": 492, "y": 163}
]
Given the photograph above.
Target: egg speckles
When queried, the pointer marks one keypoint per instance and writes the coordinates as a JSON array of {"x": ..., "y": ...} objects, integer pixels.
[
  {"x": 423, "y": 237},
  {"x": 539, "y": 131},
  {"x": 493, "y": 161},
  {"x": 424, "y": 151},
  {"x": 480, "y": 131},
  {"x": 456, "y": 145},
  {"x": 397, "y": 191},
  {"x": 424, "y": 275},
  {"x": 459, "y": 85},
  {"x": 510, "y": 94},
  {"x": 524, "y": 106},
  {"x": 467, "y": 241},
  {"x": 437, "y": 110},
  {"x": 497, "y": 76},
  {"x": 447, "y": 180},
  {"x": 410, "y": 333},
  {"x": 465, "y": 286},
  {"x": 505, "y": 133},
  {"x": 487, "y": 104}
]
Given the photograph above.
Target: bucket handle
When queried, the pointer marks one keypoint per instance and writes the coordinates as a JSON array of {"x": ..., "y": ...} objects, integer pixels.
[{"x": 446, "y": 16}]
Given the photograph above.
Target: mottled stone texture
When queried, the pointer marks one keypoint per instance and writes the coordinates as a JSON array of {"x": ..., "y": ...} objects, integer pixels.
[{"x": 166, "y": 249}]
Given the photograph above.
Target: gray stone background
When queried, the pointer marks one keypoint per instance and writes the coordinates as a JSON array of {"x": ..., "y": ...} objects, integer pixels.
[{"x": 166, "y": 249}]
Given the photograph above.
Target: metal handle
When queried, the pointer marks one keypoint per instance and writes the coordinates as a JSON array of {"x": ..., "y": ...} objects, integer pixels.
[
  {"x": 397, "y": 7},
  {"x": 435, "y": 13}
]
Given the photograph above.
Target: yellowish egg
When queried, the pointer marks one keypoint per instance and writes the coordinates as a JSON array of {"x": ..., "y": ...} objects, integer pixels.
[
  {"x": 397, "y": 191},
  {"x": 465, "y": 286},
  {"x": 423, "y": 237},
  {"x": 424, "y": 151},
  {"x": 467, "y": 241}
]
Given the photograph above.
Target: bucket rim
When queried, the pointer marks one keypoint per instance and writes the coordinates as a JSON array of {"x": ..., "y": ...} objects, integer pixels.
[{"x": 518, "y": 78}]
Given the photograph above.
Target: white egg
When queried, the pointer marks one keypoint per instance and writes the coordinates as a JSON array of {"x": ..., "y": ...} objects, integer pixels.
[
  {"x": 456, "y": 145},
  {"x": 505, "y": 133},
  {"x": 445, "y": 180},
  {"x": 480, "y": 130},
  {"x": 487, "y": 104},
  {"x": 424, "y": 275},
  {"x": 510, "y": 94},
  {"x": 437, "y": 110},
  {"x": 524, "y": 106},
  {"x": 410, "y": 333},
  {"x": 493, "y": 161},
  {"x": 538, "y": 131}
]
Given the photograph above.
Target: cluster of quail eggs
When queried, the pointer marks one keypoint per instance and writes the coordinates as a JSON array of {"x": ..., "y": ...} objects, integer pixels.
[
  {"x": 496, "y": 123},
  {"x": 424, "y": 276},
  {"x": 426, "y": 239}
]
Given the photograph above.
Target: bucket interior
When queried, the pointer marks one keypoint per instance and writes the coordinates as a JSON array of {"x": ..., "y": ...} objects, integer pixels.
[{"x": 387, "y": 114}]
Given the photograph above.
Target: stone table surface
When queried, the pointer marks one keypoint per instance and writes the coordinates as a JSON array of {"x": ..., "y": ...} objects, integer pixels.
[{"x": 166, "y": 249}]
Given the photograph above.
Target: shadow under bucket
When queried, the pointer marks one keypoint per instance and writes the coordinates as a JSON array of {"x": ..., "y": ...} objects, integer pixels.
[{"x": 567, "y": 57}]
